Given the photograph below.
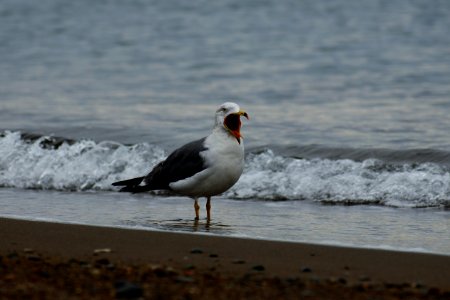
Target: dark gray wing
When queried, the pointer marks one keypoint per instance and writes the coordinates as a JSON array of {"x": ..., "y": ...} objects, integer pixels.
[{"x": 180, "y": 164}]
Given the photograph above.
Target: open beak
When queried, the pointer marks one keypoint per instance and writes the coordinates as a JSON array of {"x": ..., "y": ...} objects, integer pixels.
[
  {"x": 233, "y": 123},
  {"x": 243, "y": 113}
]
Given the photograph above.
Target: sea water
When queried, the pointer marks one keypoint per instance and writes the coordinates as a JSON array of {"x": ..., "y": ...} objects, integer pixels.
[{"x": 347, "y": 143}]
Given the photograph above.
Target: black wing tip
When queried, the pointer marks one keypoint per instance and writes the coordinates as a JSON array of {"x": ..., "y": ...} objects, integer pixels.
[
  {"x": 129, "y": 182},
  {"x": 131, "y": 185},
  {"x": 135, "y": 189}
]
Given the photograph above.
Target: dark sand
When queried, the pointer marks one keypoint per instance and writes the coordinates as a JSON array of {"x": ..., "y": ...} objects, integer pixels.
[{"x": 58, "y": 261}]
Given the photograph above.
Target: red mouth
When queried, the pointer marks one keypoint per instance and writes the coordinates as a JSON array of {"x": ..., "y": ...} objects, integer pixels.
[{"x": 233, "y": 123}]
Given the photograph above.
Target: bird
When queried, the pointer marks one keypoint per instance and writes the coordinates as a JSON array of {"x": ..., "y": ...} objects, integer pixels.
[{"x": 202, "y": 168}]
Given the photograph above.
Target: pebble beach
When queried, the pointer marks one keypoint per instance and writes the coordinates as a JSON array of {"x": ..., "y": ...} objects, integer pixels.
[{"x": 42, "y": 260}]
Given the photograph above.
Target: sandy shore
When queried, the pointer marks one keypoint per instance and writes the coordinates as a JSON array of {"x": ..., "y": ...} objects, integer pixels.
[{"x": 49, "y": 260}]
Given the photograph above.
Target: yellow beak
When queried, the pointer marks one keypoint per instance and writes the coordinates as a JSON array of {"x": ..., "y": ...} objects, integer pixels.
[{"x": 243, "y": 113}]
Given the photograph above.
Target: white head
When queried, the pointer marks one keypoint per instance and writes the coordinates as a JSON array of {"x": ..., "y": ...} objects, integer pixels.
[{"x": 228, "y": 116}]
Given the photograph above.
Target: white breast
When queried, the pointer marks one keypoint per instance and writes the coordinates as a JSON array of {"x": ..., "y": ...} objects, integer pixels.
[{"x": 225, "y": 158}]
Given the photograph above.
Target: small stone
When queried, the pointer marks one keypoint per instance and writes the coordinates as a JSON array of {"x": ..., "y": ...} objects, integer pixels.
[
  {"x": 291, "y": 280},
  {"x": 102, "y": 261},
  {"x": 213, "y": 255},
  {"x": 189, "y": 267},
  {"x": 367, "y": 285},
  {"x": 43, "y": 274},
  {"x": 171, "y": 271},
  {"x": 417, "y": 285},
  {"x": 238, "y": 261},
  {"x": 364, "y": 278},
  {"x": 95, "y": 272},
  {"x": 102, "y": 250},
  {"x": 184, "y": 279},
  {"x": 160, "y": 272},
  {"x": 33, "y": 257},
  {"x": 259, "y": 268},
  {"x": 336, "y": 280},
  {"x": 28, "y": 250},
  {"x": 74, "y": 261},
  {"x": 306, "y": 270},
  {"x": 85, "y": 265},
  {"x": 196, "y": 251},
  {"x": 127, "y": 290}
]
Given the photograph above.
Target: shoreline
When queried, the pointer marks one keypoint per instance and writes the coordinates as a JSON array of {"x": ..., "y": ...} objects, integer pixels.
[
  {"x": 193, "y": 255},
  {"x": 204, "y": 232}
]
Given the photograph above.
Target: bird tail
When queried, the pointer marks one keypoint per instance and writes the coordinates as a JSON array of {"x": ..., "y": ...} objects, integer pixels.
[{"x": 132, "y": 185}]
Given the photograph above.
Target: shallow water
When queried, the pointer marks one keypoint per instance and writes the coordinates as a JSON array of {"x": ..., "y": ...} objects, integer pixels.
[
  {"x": 347, "y": 143},
  {"x": 420, "y": 230}
]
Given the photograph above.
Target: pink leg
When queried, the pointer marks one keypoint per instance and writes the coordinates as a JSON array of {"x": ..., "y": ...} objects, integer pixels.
[
  {"x": 208, "y": 208},
  {"x": 197, "y": 209}
]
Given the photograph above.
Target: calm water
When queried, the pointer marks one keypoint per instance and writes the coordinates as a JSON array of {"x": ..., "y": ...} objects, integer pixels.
[{"x": 349, "y": 105}]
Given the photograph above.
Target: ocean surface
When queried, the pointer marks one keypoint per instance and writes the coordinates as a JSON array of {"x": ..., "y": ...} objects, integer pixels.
[{"x": 348, "y": 141}]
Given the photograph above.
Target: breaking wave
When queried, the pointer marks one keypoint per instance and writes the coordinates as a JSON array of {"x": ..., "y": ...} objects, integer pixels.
[
  {"x": 49, "y": 163},
  {"x": 343, "y": 181},
  {"x": 53, "y": 164}
]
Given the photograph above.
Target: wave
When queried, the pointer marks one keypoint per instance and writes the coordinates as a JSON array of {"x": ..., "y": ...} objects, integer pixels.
[
  {"x": 344, "y": 181},
  {"x": 50, "y": 163}
]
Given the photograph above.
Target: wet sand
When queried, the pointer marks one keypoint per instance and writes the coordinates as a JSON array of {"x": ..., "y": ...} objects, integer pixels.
[{"x": 49, "y": 260}]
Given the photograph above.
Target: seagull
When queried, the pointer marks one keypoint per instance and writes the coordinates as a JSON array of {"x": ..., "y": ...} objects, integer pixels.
[{"x": 203, "y": 168}]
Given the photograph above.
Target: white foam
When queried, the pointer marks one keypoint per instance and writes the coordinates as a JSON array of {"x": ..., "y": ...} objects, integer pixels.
[
  {"x": 272, "y": 177},
  {"x": 83, "y": 165}
]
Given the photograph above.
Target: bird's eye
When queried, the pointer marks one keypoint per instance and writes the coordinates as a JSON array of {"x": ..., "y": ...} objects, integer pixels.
[{"x": 222, "y": 110}]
